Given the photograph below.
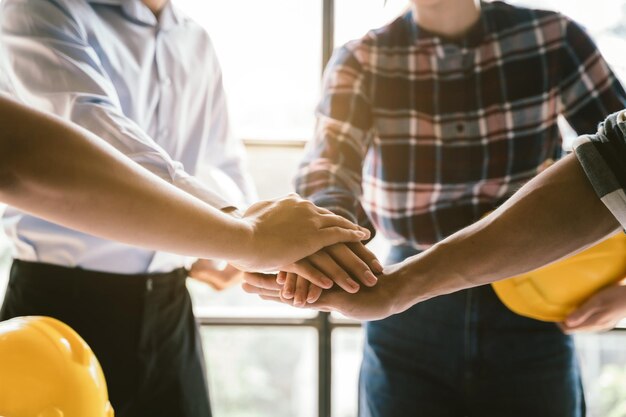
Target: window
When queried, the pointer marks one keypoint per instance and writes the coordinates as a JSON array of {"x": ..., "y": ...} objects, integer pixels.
[
  {"x": 265, "y": 371},
  {"x": 271, "y": 56}
]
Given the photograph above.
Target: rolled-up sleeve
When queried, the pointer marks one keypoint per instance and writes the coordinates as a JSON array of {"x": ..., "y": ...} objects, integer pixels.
[
  {"x": 52, "y": 66},
  {"x": 603, "y": 158}
]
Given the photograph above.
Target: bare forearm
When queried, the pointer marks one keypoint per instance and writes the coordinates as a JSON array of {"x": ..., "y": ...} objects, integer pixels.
[
  {"x": 555, "y": 214},
  {"x": 65, "y": 174}
]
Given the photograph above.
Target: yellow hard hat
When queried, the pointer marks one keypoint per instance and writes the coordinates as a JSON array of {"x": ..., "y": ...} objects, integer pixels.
[
  {"x": 47, "y": 370},
  {"x": 552, "y": 292}
]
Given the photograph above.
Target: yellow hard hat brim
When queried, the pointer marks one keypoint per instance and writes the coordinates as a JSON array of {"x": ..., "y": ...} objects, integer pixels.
[{"x": 551, "y": 293}]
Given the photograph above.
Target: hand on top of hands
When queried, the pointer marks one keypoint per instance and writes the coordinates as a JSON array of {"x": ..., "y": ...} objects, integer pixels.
[
  {"x": 285, "y": 230},
  {"x": 347, "y": 265}
]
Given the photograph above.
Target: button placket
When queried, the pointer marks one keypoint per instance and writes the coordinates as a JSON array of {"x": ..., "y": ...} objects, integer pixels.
[{"x": 165, "y": 83}]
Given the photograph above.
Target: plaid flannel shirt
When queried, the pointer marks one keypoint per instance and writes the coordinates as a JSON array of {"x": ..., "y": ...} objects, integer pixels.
[{"x": 419, "y": 136}]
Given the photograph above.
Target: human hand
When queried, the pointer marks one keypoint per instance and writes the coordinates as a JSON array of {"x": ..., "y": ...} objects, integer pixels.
[
  {"x": 370, "y": 303},
  {"x": 298, "y": 289},
  {"x": 344, "y": 264},
  {"x": 288, "y": 229},
  {"x": 217, "y": 274},
  {"x": 601, "y": 312}
]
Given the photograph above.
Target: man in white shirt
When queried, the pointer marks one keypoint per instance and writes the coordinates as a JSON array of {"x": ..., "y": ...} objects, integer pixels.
[{"x": 145, "y": 78}]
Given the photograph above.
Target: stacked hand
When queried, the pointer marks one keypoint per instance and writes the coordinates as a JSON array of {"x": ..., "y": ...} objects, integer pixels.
[
  {"x": 345, "y": 265},
  {"x": 369, "y": 303},
  {"x": 342, "y": 267},
  {"x": 284, "y": 231}
]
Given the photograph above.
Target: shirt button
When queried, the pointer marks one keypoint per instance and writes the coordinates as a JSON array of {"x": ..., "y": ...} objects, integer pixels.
[
  {"x": 167, "y": 81},
  {"x": 164, "y": 132}
]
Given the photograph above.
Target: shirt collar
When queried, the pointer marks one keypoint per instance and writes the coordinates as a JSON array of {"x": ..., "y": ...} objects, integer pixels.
[{"x": 135, "y": 9}]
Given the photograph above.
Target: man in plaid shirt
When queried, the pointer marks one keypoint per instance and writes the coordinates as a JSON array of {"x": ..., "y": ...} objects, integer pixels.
[{"x": 420, "y": 134}]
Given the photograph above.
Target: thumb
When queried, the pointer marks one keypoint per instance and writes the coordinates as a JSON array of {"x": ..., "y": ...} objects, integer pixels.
[{"x": 323, "y": 301}]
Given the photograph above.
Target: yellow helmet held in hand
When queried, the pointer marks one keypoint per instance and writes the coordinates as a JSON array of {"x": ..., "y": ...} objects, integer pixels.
[
  {"x": 551, "y": 293},
  {"x": 47, "y": 370}
]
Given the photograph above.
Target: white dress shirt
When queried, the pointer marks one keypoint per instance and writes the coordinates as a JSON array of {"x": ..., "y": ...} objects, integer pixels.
[{"x": 151, "y": 88}]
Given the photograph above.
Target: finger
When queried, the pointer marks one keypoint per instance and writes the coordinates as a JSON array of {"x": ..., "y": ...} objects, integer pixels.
[
  {"x": 367, "y": 256},
  {"x": 251, "y": 289},
  {"x": 331, "y": 268},
  {"x": 336, "y": 233},
  {"x": 289, "y": 288},
  {"x": 302, "y": 292},
  {"x": 281, "y": 277},
  {"x": 266, "y": 281},
  {"x": 311, "y": 273},
  {"x": 325, "y": 302},
  {"x": 595, "y": 322},
  {"x": 352, "y": 264},
  {"x": 287, "y": 302},
  {"x": 582, "y": 313},
  {"x": 330, "y": 219},
  {"x": 314, "y": 293},
  {"x": 599, "y": 328},
  {"x": 275, "y": 299}
]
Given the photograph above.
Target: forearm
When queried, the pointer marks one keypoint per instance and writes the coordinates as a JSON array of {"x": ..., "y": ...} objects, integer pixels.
[
  {"x": 555, "y": 214},
  {"x": 65, "y": 174}
]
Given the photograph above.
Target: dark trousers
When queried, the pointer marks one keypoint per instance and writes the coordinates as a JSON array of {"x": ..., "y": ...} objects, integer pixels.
[
  {"x": 141, "y": 328},
  {"x": 466, "y": 355}
]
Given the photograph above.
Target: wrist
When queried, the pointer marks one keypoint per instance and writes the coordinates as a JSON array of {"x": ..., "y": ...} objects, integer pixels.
[
  {"x": 429, "y": 275},
  {"x": 244, "y": 242},
  {"x": 399, "y": 288}
]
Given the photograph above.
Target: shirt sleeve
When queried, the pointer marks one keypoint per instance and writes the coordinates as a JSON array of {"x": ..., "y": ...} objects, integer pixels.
[
  {"x": 603, "y": 158},
  {"x": 589, "y": 90},
  {"x": 52, "y": 67},
  {"x": 330, "y": 174}
]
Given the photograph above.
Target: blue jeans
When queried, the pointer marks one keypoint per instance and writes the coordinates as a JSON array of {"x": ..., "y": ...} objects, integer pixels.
[{"x": 466, "y": 355}]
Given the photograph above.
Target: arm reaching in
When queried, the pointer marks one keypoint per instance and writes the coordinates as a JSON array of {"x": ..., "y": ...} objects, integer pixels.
[
  {"x": 65, "y": 174},
  {"x": 555, "y": 214}
]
